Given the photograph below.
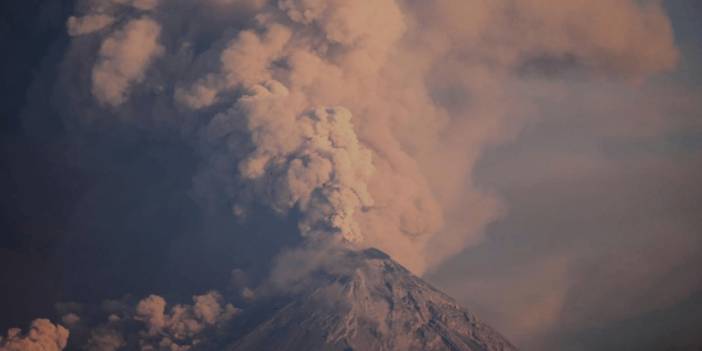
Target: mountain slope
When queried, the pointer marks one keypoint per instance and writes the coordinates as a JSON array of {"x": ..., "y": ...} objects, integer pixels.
[{"x": 368, "y": 302}]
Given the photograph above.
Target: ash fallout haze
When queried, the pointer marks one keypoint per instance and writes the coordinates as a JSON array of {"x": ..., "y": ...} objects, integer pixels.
[{"x": 279, "y": 174}]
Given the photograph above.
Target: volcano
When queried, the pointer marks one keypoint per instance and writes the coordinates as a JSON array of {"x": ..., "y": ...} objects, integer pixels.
[{"x": 363, "y": 301}]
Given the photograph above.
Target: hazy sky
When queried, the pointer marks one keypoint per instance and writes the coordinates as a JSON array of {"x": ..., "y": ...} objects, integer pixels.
[
  {"x": 539, "y": 162},
  {"x": 601, "y": 246}
]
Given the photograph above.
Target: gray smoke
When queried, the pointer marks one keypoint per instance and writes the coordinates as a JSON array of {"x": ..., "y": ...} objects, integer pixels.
[
  {"x": 271, "y": 97},
  {"x": 364, "y": 119}
]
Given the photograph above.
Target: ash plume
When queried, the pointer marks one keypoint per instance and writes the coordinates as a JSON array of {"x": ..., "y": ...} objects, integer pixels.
[
  {"x": 42, "y": 335},
  {"x": 366, "y": 118},
  {"x": 361, "y": 119},
  {"x": 148, "y": 324}
]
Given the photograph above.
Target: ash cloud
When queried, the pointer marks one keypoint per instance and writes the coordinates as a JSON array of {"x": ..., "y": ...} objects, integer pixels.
[
  {"x": 401, "y": 177},
  {"x": 360, "y": 121},
  {"x": 148, "y": 324},
  {"x": 123, "y": 59},
  {"x": 617, "y": 259},
  {"x": 88, "y": 24},
  {"x": 42, "y": 335}
]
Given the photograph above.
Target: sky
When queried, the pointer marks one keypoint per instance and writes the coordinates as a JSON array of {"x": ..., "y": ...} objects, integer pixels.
[
  {"x": 600, "y": 246},
  {"x": 540, "y": 163}
]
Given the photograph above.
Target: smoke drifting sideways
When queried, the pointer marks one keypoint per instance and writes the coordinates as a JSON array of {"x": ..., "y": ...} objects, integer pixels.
[
  {"x": 42, "y": 335},
  {"x": 364, "y": 117},
  {"x": 267, "y": 89},
  {"x": 118, "y": 324}
]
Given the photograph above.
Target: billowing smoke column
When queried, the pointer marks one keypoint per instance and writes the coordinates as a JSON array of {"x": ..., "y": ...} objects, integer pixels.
[
  {"x": 267, "y": 90},
  {"x": 365, "y": 118},
  {"x": 313, "y": 161},
  {"x": 272, "y": 107},
  {"x": 301, "y": 154}
]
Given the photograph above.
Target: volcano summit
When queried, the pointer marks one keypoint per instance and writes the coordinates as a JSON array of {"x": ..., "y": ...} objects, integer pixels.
[{"x": 363, "y": 300}]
